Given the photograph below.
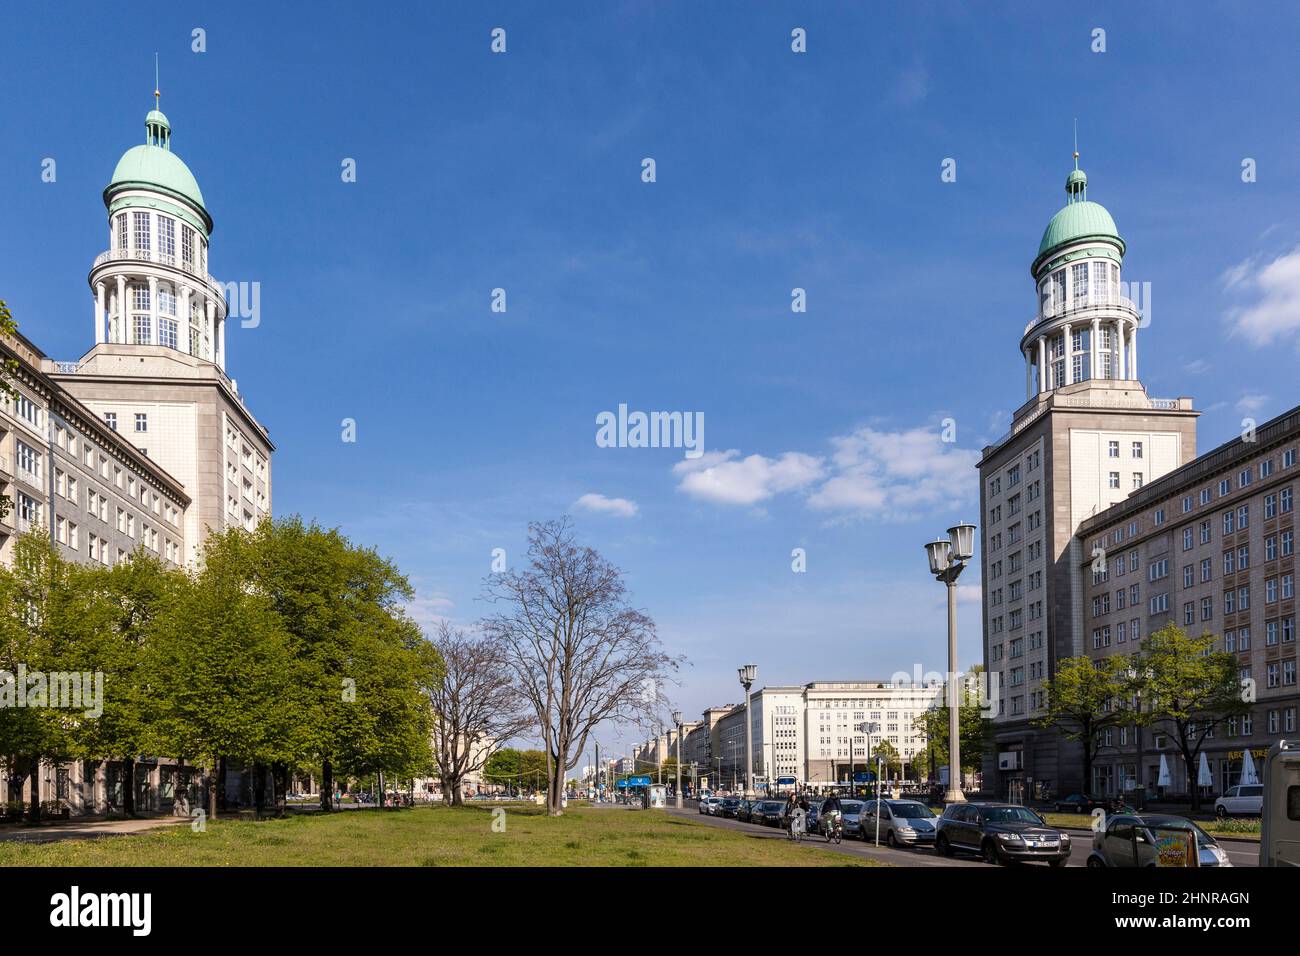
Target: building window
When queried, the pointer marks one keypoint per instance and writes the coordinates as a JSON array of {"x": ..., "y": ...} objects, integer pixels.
[
  {"x": 110, "y": 419},
  {"x": 141, "y": 422},
  {"x": 140, "y": 222},
  {"x": 1114, "y": 479},
  {"x": 1137, "y": 449},
  {"x": 167, "y": 332},
  {"x": 1112, "y": 449},
  {"x": 167, "y": 239}
]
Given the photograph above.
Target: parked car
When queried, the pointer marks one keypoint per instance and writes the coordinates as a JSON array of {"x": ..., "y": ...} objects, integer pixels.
[
  {"x": 1243, "y": 800},
  {"x": 902, "y": 822},
  {"x": 814, "y": 807},
  {"x": 744, "y": 810},
  {"x": 851, "y": 815},
  {"x": 1131, "y": 840},
  {"x": 703, "y": 804},
  {"x": 771, "y": 813},
  {"x": 729, "y": 806},
  {"x": 1000, "y": 833},
  {"x": 1077, "y": 803}
]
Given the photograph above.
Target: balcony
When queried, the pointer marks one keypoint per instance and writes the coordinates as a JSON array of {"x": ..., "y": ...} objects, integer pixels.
[
  {"x": 155, "y": 257},
  {"x": 1082, "y": 305}
]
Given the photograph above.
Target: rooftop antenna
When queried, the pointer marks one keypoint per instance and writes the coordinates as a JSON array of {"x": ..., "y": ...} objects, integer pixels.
[
  {"x": 1076, "y": 142},
  {"x": 157, "y": 92}
]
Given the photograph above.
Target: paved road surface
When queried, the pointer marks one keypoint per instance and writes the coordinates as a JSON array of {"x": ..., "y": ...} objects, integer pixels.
[{"x": 1240, "y": 852}]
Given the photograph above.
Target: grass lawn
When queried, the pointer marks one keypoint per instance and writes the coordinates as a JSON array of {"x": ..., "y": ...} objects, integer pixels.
[{"x": 436, "y": 836}]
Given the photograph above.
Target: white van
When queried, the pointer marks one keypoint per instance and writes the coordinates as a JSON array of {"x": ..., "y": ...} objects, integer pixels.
[
  {"x": 1243, "y": 800},
  {"x": 1279, "y": 841}
]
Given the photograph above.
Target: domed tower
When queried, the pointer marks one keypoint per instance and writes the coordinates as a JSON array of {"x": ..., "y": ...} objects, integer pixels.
[
  {"x": 1085, "y": 328},
  {"x": 1087, "y": 438},
  {"x": 157, "y": 370},
  {"x": 152, "y": 285}
]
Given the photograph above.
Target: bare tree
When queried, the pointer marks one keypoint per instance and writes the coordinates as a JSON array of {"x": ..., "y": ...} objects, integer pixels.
[
  {"x": 580, "y": 654},
  {"x": 476, "y": 708}
]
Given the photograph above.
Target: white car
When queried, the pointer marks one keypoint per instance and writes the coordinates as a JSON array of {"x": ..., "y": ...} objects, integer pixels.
[{"x": 1242, "y": 800}]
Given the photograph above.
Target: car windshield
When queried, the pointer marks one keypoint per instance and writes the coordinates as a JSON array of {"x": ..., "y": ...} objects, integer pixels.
[
  {"x": 1009, "y": 815},
  {"x": 851, "y": 806},
  {"x": 910, "y": 811},
  {"x": 1177, "y": 823}
]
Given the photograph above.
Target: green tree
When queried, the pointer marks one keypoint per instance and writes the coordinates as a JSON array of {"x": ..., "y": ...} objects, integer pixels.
[
  {"x": 47, "y": 628},
  {"x": 127, "y": 602},
  {"x": 1187, "y": 690},
  {"x": 221, "y": 666},
  {"x": 8, "y": 367},
  {"x": 886, "y": 751},
  {"x": 1086, "y": 698},
  {"x": 362, "y": 669},
  {"x": 972, "y": 725}
]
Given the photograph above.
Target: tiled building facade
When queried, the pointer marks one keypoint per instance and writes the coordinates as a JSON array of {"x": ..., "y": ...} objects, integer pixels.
[{"x": 1211, "y": 548}]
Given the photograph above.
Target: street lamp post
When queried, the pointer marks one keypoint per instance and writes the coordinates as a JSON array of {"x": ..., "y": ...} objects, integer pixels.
[
  {"x": 748, "y": 674},
  {"x": 947, "y": 561},
  {"x": 677, "y": 719}
]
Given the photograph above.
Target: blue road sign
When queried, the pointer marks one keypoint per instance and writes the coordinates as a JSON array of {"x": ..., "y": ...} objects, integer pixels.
[{"x": 864, "y": 776}]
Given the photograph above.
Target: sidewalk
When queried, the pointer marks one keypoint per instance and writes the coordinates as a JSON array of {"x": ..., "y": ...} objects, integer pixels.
[{"x": 87, "y": 830}]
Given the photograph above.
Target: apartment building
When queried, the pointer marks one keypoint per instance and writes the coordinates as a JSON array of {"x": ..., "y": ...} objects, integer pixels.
[{"x": 1210, "y": 547}]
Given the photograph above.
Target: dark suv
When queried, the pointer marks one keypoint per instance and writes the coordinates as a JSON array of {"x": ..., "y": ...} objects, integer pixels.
[{"x": 1001, "y": 833}]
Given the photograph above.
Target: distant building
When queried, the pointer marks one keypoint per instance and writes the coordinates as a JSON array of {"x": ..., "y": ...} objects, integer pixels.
[{"x": 805, "y": 731}]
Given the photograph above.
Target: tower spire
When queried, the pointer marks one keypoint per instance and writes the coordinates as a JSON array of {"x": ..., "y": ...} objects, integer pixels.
[
  {"x": 1076, "y": 142},
  {"x": 157, "y": 89}
]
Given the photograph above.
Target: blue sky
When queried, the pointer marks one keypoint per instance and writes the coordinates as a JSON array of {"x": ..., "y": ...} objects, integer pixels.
[{"x": 774, "y": 171}]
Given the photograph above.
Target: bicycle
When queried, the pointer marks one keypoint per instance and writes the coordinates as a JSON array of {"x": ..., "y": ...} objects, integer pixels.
[
  {"x": 796, "y": 829},
  {"x": 833, "y": 831}
]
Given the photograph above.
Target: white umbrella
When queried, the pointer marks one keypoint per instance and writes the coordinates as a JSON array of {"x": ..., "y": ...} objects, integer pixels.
[
  {"x": 1248, "y": 775},
  {"x": 1163, "y": 779},
  {"x": 1203, "y": 778}
]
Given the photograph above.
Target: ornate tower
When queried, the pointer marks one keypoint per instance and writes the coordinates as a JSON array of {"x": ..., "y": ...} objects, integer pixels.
[
  {"x": 157, "y": 371},
  {"x": 1087, "y": 436},
  {"x": 1084, "y": 328},
  {"x": 152, "y": 285}
]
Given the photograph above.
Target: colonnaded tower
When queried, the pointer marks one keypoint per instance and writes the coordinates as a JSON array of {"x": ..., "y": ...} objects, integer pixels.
[{"x": 157, "y": 372}]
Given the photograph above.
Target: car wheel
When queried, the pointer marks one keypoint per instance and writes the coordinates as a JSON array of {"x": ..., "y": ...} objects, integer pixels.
[
  {"x": 890, "y": 841},
  {"x": 991, "y": 853},
  {"x": 941, "y": 846},
  {"x": 1095, "y": 863},
  {"x": 1221, "y": 812}
]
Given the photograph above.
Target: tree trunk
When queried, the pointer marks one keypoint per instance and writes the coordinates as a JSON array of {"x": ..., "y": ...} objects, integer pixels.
[
  {"x": 128, "y": 790},
  {"x": 458, "y": 795},
  {"x": 259, "y": 789},
  {"x": 555, "y": 798},
  {"x": 281, "y": 777},
  {"x": 212, "y": 793},
  {"x": 326, "y": 786},
  {"x": 35, "y": 806},
  {"x": 221, "y": 783},
  {"x": 1087, "y": 767},
  {"x": 1189, "y": 771}
]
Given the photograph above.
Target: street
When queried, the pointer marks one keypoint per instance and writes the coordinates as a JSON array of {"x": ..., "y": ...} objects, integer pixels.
[{"x": 1242, "y": 853}]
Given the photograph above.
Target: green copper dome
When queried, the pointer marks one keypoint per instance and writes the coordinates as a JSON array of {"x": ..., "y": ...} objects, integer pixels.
[
  {"x": 1079, "y": 219},
  {"x": 153, "y": 165}
]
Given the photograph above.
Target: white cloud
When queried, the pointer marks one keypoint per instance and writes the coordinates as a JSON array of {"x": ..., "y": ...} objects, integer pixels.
[
  {"x": 725, "y": 478},
  {"x": 619, "y": 507},
  {"x": 891, "y": 473},
  {"x": 427, "y": 611},
  {"x": 1249, "y": 404},
  {"x": 1196, "y": 367},
  {"x": 870, "y": 473},
  {"x": 1276, "y": 288}
]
